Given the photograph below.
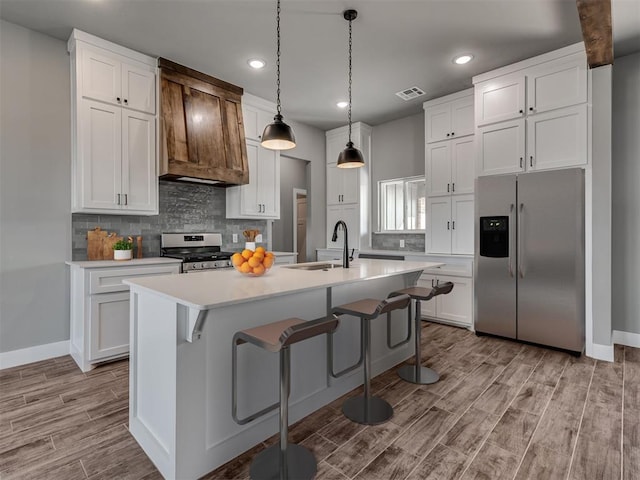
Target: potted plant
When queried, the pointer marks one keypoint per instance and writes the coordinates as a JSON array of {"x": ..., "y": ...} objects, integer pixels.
[{"x": 123, "y": 250}]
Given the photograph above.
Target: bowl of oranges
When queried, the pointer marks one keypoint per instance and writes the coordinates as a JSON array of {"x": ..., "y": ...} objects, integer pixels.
[{"x": 253, "y": 263}]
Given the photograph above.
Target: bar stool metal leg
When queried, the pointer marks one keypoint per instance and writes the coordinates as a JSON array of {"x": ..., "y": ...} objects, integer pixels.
[
  {"x": 417, "y": 373},
  {"x": 285, "y": 460},
  {"x": 366, "y": 409}
]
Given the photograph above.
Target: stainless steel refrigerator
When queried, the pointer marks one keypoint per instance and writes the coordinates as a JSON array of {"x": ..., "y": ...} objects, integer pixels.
[{"x": 529, "y": 280}]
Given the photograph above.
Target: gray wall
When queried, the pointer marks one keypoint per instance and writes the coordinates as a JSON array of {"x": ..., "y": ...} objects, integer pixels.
[
  {"x": 35, "y": 162},
  {"x": 293, "y": 174},
  {"x": 311, "y": 145},
  {"x": 397, "y": 151},
  {"x": 183, "y": 207},
  {"x": 626, "y": 194}
]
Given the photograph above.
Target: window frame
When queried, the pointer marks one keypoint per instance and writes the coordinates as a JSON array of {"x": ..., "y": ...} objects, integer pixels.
[{"x": 381, "y": 213}]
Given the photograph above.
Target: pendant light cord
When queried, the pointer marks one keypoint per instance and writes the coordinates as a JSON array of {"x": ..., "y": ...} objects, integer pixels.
[
  {"x": 350, "y": 45},
  {"x": 278, "y": 57}
]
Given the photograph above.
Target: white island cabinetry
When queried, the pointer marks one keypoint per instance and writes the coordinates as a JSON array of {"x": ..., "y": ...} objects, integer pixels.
[
  {"x": 100, "y": 306},
  {"x": 182, "y": 329}
]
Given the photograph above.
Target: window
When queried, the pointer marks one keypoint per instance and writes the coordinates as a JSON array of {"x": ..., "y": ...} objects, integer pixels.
[{"x": 402, "y": 204}]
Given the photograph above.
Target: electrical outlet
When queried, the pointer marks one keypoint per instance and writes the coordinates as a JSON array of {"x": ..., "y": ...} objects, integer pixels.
[
  {"x": 401, "y": 243},
  {"x": 259, "y": 238},
  {"x": 235, "y": 238}
]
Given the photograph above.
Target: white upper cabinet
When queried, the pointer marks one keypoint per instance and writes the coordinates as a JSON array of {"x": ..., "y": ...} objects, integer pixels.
[
  {"x": 450, "y": 166},
  {"x": 342, "y": 184},
  {"x": 114, "y": 128},
  {"x": 448, "y": 120},
  {"x": 557, "y": 84},
  {"x": 463, "y": 157},
  {"x": 438, "y": 168},
  {"x": 108, "y": 77},
  {"x": 349, "y": 214},
  {"x": 500, "y": 99},
  {"x": 547, "y": 128},
  {"x": 260, "y": 198}
]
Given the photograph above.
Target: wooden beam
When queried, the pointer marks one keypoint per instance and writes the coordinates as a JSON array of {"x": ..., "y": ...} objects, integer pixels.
[{"x": 595, "y": 20}]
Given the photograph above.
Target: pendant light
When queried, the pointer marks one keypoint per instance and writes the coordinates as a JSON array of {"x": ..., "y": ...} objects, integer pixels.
[
  {"x": 278, "y": 135},
  {"x": 350, "y": 157}
]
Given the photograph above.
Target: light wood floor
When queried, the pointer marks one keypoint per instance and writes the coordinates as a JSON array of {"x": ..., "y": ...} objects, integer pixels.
[{"x": 500, "y": 410}]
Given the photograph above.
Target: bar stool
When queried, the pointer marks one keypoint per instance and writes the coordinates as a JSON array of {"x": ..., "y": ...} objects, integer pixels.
[
  {"x": 367, "y": 409},
  {"x": 417, "y": 373},
  {"x": 285, "y": 460}
]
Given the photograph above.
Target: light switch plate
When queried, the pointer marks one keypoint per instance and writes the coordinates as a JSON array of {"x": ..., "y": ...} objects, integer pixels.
[
  {"x": 259, "y": 238},
  {"x": 401, "y": 243},
  {"x": 235, "y": 238}
]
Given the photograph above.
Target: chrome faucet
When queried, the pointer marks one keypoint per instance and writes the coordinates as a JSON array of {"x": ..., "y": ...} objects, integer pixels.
[{"x": 345, "y": 252}]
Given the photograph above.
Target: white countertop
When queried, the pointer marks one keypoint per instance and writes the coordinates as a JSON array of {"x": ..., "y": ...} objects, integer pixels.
[
  {"x": 218, "y": 288},
  {"x": 136, "y": 262}
]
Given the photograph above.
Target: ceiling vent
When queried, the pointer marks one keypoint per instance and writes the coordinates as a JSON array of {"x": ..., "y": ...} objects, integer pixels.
[{"x": 410, "y": 93}]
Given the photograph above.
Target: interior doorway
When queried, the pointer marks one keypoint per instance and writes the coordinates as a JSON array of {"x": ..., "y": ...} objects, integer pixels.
[{"x": 299, "y": 223}]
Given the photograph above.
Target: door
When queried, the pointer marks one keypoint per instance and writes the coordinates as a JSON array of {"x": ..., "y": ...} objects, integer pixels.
[
  {"x": 501, "y": 148},
  {"x": 101, "y": 150},
  {"x": 455, "y": 306},
  {"x": 557, "y": 139},
  {"x": 301, "y": 227},
  {"x": 551, "y": 258},
  {"x": 138, "y": 88},
  {"x": 349, "y": 214},
  {"x": 495, "y": 280},
  {"x": 334, "y": 184},
  {"x": 139, "y": 178},
  {"x": 463, "y": 154},
  {"x": 268, "y": 182},
  {"x": 462, "y": 224},
  {"x": 462, "y": 119},
  {"x": 557, "y": 84},
  {"x": 109, "y": 325},
  {"x": 249, "y": 204},
  {"x": 438, "y": 123},
  {"x": 101, "y": 77},
  {"x": 439, "y": 224},
  {"x": 439, "y": 168},
  {"x": 500, "y": 99}
]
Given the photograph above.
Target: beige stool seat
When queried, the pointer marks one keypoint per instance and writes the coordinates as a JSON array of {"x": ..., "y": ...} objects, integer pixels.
[
  {"x": 367, "y": 409},
  {"x": 417, "y": 373},
  {"x": 285, "y": 460}
]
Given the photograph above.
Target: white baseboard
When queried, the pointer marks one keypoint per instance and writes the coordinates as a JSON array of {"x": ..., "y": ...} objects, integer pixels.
[
  {"x": 628, "y": 339},
  {"x": 23, "y": 356},
  {"x": 600, "y": 352}
]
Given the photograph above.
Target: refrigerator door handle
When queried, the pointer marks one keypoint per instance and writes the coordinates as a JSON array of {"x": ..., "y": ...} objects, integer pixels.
[
  {"x": 510, "y": 250},
  {"x": 520, "y": 249}
]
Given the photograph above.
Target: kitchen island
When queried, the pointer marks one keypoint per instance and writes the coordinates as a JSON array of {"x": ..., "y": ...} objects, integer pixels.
[{"x": 180, "y": 364}]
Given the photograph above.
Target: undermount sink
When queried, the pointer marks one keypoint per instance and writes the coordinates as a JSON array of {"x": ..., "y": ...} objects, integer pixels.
[{"x": 313, "y": 266}]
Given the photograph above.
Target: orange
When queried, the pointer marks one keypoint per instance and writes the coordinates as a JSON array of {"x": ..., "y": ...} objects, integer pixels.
[
  {"x": 245, "y": 268},
  {"x": 237, "y": 259},
  {"x": 258, "y": 255},
  {"x": 267, "y": 262},
  {"x": 254, "y": 261},
  {"x": 260, "y": 250},
  {"x": 259, "y": 270},
  {"x": 247, "y": 254},
  {"x": 269, "y": 254}
]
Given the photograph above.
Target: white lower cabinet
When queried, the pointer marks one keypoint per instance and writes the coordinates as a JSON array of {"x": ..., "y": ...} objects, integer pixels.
[
  {"x": 450, "y": 224},
  {"x": 100, "y": 307},
  {"x": 455, "y": 307}
]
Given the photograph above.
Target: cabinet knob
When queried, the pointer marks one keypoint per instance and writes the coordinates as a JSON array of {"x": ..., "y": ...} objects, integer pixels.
[
  {"x": 531, "y": 109},
  {"x": 531, "y": 161},
  {"x": 447, "y": 188},
  {"x": 448, "y": 225},
  {"x": 118, "y": 99},
  {"x": 126, "y": 101},
  {"x": 520, "y": 162},
  {"x": 453, "y": 133},
  {"x": 521, "y": 111},
  {"x": 448, "y": 134},
  {"x": 453, "y": 187}
]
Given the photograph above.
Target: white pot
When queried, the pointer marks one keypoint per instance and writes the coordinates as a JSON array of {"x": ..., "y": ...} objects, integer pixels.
[
  {"x": 122, "y": 254},
  {"x": 250, "y": 246}
]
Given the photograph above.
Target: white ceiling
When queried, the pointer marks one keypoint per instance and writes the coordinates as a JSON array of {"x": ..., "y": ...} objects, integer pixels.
[{"x": 396, "y": 43}]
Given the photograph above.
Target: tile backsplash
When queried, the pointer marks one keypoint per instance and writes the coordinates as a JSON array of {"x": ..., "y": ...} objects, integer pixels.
[
  {"x": 413, "y": 242},
  {"x": 184, "y": 207}
]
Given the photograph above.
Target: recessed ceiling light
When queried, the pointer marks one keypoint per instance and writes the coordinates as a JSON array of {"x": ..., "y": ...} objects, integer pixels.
[
  {"x": 256, "y": 63},
  {"x": 462, "y": 59},
  {"x": 342, "y": 104}
]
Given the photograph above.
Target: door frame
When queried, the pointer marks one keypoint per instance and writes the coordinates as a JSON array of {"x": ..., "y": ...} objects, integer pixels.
[{"x": 296, "y": 192}]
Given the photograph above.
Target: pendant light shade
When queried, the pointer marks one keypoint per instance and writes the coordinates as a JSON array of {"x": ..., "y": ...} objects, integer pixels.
[
  {"x": 278, "y": 135},
  {"x": 350, "y": 157}
]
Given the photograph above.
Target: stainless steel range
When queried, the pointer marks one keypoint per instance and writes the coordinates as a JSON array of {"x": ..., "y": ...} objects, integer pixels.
[{"x": 198, "y": 251}]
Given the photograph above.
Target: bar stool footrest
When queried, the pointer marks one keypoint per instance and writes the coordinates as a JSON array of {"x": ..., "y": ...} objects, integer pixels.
[
  {"x": 367, "y": 411},
  {"x": 301, "y": 463},
  {"x": 423, "y": 376}
]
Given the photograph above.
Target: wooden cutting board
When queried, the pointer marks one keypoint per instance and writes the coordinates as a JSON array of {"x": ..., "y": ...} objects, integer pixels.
[
  {"x": 100, "y": 244},
  {"x": 95, "y": 238}
]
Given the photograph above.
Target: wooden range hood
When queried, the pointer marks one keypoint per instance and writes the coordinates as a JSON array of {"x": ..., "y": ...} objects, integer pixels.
[{"x": 202, "y": 131}]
